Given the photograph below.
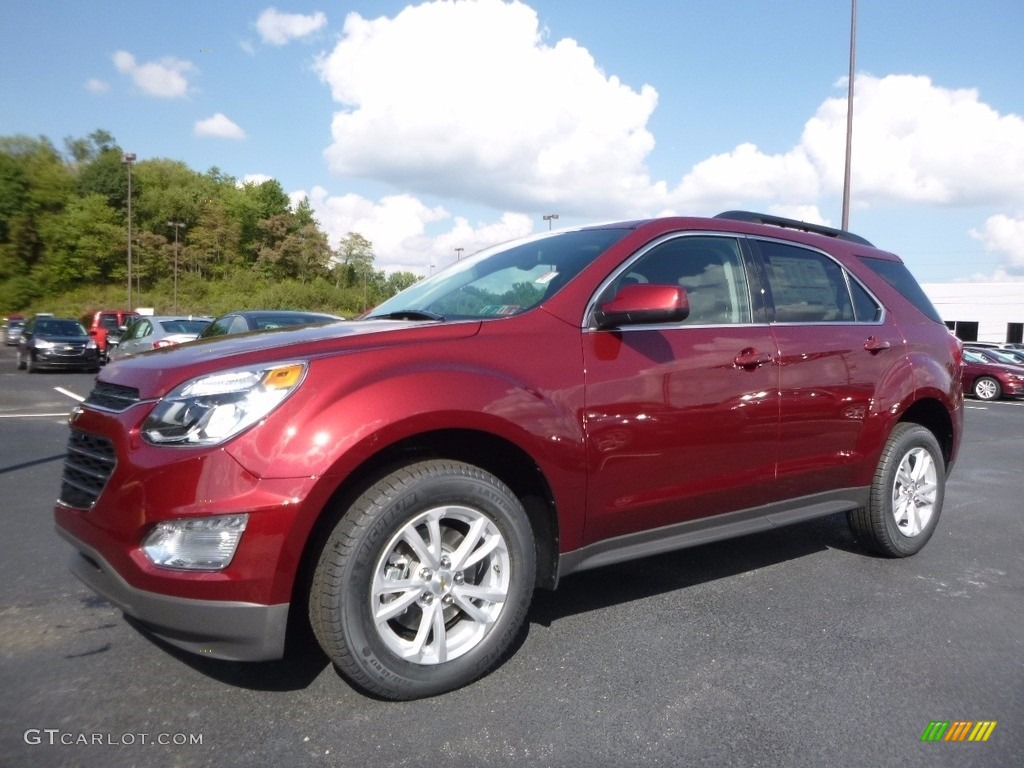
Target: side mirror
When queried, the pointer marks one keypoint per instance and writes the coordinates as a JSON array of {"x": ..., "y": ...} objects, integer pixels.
[{"x": 644, "y": 304}]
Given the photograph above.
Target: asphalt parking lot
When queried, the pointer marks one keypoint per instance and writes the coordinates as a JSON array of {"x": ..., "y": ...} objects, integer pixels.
[{"x": 789, "y": 648}]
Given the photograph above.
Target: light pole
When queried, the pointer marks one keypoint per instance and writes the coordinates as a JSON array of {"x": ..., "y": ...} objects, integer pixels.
[
  {"x": 458, "y": 253},
  {"x": 127, "y": 159},
  {"x": 548, "y": 217},
  {"x": 849, "y": 116},
  {"x": 177, "y": 225}
]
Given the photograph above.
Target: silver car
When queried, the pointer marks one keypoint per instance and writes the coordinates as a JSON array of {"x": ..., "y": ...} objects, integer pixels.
[{"x": 155, "y": 332}]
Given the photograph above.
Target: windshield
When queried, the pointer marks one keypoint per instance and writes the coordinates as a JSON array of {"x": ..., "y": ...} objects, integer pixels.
[
  {"x": 504, "y": 280},
  {"x": 60, "y": 328}
]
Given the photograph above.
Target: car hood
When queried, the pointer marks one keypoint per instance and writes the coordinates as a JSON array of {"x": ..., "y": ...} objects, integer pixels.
[{"x": 156, "y": 372}]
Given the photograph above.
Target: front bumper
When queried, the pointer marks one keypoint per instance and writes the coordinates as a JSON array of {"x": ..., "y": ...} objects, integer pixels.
[
  {"x": 219, "y": 629},
  {"x": 48, "y": 358}
]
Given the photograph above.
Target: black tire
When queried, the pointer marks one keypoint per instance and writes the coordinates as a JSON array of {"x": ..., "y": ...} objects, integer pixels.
[
  {"x": 906, "y": 494},
  {"x": 21, "y": 362},
  {"x": 987, "y": 388},
  {"x": 432, "y": 644},
  {"x": 30, "y": 363}
]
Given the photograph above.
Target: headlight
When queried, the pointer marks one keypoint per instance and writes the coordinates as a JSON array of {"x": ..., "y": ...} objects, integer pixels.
[
  {"x": 44, "y": 344},
  {"x": 91, "y": 344},
  {"x": 195, "y": 544},
  {"x": 211, "y": 409}
]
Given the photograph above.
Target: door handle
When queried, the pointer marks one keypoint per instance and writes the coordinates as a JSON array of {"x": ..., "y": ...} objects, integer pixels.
[
  {"x": 874, "y": 344},
  {"x": 751, "y": 358}
]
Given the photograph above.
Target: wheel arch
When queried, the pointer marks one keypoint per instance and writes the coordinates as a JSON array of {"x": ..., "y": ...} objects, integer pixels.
[
  {"x": 492, "y": 453},
  {"x": 934, "y": 416}
]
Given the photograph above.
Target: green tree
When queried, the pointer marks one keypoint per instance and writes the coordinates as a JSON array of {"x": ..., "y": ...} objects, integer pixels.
[
  {"x": 86, "y": 243},
  {"x": 212, "y": 247},
  {"x": 354, "y": 265}
]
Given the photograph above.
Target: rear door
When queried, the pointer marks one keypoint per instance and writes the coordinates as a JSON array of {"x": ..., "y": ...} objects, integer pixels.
[
  {"x": 681, "y": 419},
  {"x": 836, "y": 348}
]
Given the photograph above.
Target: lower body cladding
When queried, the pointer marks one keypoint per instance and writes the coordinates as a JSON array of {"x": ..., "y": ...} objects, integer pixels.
[{"x": 220, "y": 629}]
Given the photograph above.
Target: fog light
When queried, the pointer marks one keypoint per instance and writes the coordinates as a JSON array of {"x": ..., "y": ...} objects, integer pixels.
[{"x": 195, "y": 544}]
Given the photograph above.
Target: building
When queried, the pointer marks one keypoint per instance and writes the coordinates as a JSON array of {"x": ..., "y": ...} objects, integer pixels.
[{"x": 981, "y": 311}]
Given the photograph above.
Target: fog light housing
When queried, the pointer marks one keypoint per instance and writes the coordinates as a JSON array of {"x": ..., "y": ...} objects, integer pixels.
[{"x": 195, "y": 543}]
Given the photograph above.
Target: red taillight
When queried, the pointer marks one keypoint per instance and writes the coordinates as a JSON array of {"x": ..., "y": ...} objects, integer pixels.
[{"x": 163, "y": 343}]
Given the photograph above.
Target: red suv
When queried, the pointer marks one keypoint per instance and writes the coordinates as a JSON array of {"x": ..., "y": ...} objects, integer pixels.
[
  {"x": 101, "y": 324},
  {"x": 554, "y": 404}
]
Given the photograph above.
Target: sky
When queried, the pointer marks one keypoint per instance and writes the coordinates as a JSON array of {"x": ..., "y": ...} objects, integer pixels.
[{"x": 456, "y": 124}]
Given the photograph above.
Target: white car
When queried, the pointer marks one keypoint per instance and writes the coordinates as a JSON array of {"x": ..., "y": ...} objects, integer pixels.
[{"x": 156, "y": 332}]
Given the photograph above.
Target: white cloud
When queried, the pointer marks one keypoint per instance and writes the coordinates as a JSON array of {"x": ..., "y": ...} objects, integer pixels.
[
  {"x": 219, "y": 126},
  {"x": 465, "y": 99},
  {"x": 254, "y": 178},
  {"x": 96, "y": 85},
  {"x": 914, "y": 141},
  {"x": 470, "y": 100},
  {"x": 165, "y": 78},
  {"x": 397, "y": 227},
  {"x": 278, "y": 28},
  {"x": 1004, "y": 235}
]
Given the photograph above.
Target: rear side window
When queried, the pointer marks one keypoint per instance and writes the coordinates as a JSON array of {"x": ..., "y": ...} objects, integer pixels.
[
  {"x": 897, "y": 275},
  {"x": 808, "y": 287}
]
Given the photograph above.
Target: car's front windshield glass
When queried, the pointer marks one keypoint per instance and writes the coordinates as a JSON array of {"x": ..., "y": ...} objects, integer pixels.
[
  {"x": 60, "y": 328},
  {"x": 504, "y": 280}
]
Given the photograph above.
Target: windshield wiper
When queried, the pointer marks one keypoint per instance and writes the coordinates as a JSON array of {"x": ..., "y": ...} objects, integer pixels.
[{"x": 408, "y": 314}]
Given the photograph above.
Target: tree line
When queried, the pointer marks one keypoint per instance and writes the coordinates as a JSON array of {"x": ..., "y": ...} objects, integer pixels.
[{"x": 64, "y": 241}]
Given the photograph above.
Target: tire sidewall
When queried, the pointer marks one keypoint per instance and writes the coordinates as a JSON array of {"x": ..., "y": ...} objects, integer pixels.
[
  {"x": 368, "y": 651},
  {"x": 909, "y": 439}
]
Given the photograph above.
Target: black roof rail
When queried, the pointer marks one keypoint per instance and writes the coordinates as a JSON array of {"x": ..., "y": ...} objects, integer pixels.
[{"x": 803, "y": 226}]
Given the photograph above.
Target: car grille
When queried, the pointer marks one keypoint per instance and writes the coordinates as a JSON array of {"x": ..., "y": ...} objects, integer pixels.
[
  {"x": 112, "y": 397},
  {"x": 88, "y": 465}
]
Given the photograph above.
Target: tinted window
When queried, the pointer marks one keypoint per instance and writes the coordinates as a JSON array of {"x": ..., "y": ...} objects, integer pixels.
[
  {"x": 709, "y": 268},
  {"x": 220, "y": 328},
  {"x": 898, "y": 276},
  {"x": 864, "y": 307},
  {"x": 183, "y": 326},
  {"x": 806, "y": 286}
]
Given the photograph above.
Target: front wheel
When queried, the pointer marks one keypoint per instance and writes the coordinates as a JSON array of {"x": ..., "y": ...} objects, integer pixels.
[
  {"x": 425, "y": 581},
  {"x": 987, "y": 388},
  {"x": 906, "y": 494}
]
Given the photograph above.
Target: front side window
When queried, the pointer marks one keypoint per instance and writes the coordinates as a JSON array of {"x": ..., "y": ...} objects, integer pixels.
[{"x": 711, "y": 270}]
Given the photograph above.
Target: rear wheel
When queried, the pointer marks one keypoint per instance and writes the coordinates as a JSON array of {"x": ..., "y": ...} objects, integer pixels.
[
  {"x": 906, "y": 494},
  {"x": 425, "y": 581},
  {"x": 987, "y": 388}
]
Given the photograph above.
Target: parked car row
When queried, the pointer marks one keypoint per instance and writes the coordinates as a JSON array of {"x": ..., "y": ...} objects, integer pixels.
[{"x": 64, "y": 343}]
